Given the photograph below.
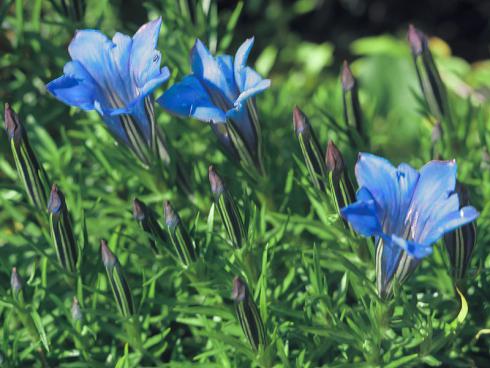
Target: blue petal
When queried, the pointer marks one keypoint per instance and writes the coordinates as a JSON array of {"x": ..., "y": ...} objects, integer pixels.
[
  {"x": 433, "y": 198},
  {"x": 449, "y": 222},
  {"x": 154, "y": 83},
  {"x": 76, "y": 87},
  {"x": 188, "y": 98},
  {"x": 362, "y": 214},
  {"x": 93, "y": 50},
  {"x": 145, "y": 59},
  {"x": 254, "y": 84},
  {"x": 114, "y": 125},
  {"x": 216, "y": 75},
  {"x": 240, "y": 64},
  {"x": 225, "y": 63},
  {"x": 414, "y": 249},
  {"x": 120, "y": 56},
  {"x": 389, "y": 260},
  {"x": 391, "y": 188}
]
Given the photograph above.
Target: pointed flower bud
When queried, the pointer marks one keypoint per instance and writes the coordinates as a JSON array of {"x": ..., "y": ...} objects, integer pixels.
[
  {"x": 217, "y": 186},
  {"x": 341, "y": 190},
  {"x": 30, "y": 171},
  {"x": 310, "y": 149},
  {"x": 179, "y": 236},
  {"x": 347, "y": 79},
  {"x": 416, "y": 39},
  {"x": 460, "y": 243},
  {"x": 429, "y": 78},
  {"x": 228, "y": 210},
  {"x": 350, "y": 98},
  {"x": 119, "y": 285},
  {"x": 15, "y": 282},
  {"x": 148, "y": 222},
  {"x": 62, "y": 231},
  {"x": 76, "y": 311},
  {"x": 248, "y": 315}
]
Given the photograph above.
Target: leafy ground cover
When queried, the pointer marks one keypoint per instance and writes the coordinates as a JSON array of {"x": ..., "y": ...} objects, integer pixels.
[{"x": 310, "y": 298}]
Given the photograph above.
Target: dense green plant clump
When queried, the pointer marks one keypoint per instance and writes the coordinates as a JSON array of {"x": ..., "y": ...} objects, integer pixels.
[{"x": 173, "y": 197}]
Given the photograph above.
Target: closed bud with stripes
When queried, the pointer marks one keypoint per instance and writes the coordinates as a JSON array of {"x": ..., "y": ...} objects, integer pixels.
[
  {"x": 228, "y": 210},
  {"x": 350, "y": 98},
  {"x": 31, "y": 172},
  {"x": 117, "y": 280},
  {"x": 179, "y": 236},
  {"x": 340, "y": 186},
  {"x": 248, "y": 315},
  {"x": 428, "y": 75},
  {"x": 15, "y": 283},
  {"x": 76, "y": 311},
  {"x": 61, "y": 230},
  {"x": 460, "y": 243},
  {"x": 310, "y": 148},
  {"x": 148, "y": 222}
]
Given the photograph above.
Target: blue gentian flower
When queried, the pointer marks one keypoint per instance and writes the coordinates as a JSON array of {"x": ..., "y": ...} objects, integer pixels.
[
  {"x": 221, "y": 91},
  {"x": 406, "y": 210},
  {"x": 116, "y": 78}
]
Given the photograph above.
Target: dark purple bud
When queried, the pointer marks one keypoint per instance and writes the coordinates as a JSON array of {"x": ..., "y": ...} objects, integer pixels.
[
  {"x": 416, "y": 39},
  {"x": 239, "y": 291},
  {"x": 15, "y": 281},
  {"x": 76, "y": 312},
  {"x": 108, "y": 258},
  {"x": 334, "y": 159},
  {"x": 138, "y": 210},
  {"x": 171, "y": 218},
  {"x": 217, "y": 186},
  {"x": 56, "y": 200},
  {"x": 348, "y": 81},
  {"x": 12, "y": 122},
  {"x": 300, "y": 121}
]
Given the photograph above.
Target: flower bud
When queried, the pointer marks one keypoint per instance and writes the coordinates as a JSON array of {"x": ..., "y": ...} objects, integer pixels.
[
  {"x": 248, "y": 315},
  {"x": 15, "y": 282},
  {"x": 417, "y": 40},
  {"x": 350, "y": 98},
  {"x": 341, "y": 189},
  {"x": 347, "y": 79},
  {"x": 309, "y": 148},
  {"x": 30, "y": 171},
  {"x": 76, "y": 312},
  {"x": 429, "y": 78},
  {"x": 179, "y": 236},
  {"x": 62, "y": 231},
  {"x": 228, "y": 210},
  {"x": 120, "y": 287},
  {"x": 460, "y": 242},
  {"x": 148, "y": 222}
]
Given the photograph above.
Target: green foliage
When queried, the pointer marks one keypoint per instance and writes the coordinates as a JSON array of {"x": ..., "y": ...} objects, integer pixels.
[{"x": 312, "y": 281}]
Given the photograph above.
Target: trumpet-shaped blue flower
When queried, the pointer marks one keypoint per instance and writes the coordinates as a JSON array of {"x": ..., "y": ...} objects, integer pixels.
[
  {"x": 218, "y": 92},
  {"x": 406, "y": 210},
  {"x": 116, "y": 78}
]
